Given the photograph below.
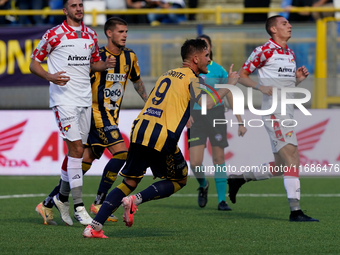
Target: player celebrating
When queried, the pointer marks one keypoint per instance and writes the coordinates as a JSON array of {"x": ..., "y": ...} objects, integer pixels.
[
  {"x": 154, "y": 137},
  {"x": 108, "y": 89},
  {"x": 271, "y": 59}
]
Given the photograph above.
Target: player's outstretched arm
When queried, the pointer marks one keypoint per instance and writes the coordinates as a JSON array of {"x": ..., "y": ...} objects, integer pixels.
[{"x": 140, "y": 88}]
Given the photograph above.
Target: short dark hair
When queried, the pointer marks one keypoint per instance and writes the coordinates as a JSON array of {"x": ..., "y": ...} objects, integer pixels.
[
  {"x": 65, "y": 2},
  {"x": 271, "y": 21},
  {"x": 112, "y": 22},
  {"x": 192, "y": 46},
  {"x": 207, "y": 37}
]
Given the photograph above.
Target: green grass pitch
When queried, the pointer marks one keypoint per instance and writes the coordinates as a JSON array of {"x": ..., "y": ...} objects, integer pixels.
[{"x": 176, "y": 225}]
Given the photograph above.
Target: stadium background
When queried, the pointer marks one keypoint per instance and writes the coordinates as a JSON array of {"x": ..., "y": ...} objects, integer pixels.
[
  {"x": 258, "y": 223},
  {"x": 158, "y": 48}
]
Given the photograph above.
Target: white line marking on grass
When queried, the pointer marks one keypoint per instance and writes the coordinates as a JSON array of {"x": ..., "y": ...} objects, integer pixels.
[
  {"x": 36, "y": 195},
  {"x": 22, "y": 196},
  {"x": 262, "y": 195},
  {"x": 183, "y": 195}
]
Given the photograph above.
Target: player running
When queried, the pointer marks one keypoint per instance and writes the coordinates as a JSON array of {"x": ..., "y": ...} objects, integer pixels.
[
  {"x": 154, "y": 137},
  {"x": 276, "y": 66}
]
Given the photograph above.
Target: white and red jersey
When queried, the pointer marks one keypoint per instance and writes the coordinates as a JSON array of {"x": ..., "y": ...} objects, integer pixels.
[
  {"x": 70, "y": 51},
  {"x": 277, "y": 68}
]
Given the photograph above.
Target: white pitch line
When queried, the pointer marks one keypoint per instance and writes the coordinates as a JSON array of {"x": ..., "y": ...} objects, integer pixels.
[
  {"x": 262, "y": 195},
  {"x": 182, "y": 195},
  {"x": 22, "y": 196}
]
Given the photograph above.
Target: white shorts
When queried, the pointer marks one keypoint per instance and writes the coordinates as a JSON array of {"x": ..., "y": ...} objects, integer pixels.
[
  {"x": 73, "y": 122},
  {"x": 280, "y": 130}
]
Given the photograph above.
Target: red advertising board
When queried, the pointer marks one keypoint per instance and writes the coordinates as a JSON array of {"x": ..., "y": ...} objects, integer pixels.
[{"x": 30, "y": 143}]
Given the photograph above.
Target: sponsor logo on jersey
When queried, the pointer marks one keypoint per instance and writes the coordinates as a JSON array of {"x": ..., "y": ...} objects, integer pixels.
[
  {"x": 153, "y": 112},
  {"x": 68, "y": 118},
  {"x": 181, "y": 165},
  {"x": 111, "y": 106},
  {"x": 79, "y": 58},
  {"x": 108, "y": 128},
  {"x": 102, "y": 136},
  {"x": 285, "y": 70},
  {"x": 115, "y": 92},
  {"x": 67, "y": 45},
  {"x": 116, "y": 77}
]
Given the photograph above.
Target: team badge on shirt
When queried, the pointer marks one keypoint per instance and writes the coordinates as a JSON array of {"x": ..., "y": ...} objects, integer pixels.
[
  {"x": 115, "y": 134},
  {"x": 218, "y": 137},
  {"x": 289, "y": 134},
  {"x": 67, "y": 128}
]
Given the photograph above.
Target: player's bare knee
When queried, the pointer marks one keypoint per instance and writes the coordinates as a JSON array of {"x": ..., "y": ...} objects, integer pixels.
[
  {"x": 76, "y": 151},
  {"x": 293, "y": 161},
  {"x": 133, "y": 182},
  {"x": 218, "y": 160},
  {"x": 195, "y": 163}
]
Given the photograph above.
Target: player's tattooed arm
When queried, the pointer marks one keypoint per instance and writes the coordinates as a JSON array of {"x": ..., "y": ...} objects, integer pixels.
[{"x": 140, "y": 88}]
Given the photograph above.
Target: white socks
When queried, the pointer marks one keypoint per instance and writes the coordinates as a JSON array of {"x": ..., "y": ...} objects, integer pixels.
[{"x": 75, "y": 177}]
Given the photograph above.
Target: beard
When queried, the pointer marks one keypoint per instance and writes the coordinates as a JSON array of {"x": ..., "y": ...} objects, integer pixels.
[{"x": 75, "y": 18}]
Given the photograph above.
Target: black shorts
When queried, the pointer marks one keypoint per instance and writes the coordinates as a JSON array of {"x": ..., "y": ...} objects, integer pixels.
[
  {"x": 100, "y": 138},
  {"x": 203, "y": 127},
  {"x": 166, "y": 166}
]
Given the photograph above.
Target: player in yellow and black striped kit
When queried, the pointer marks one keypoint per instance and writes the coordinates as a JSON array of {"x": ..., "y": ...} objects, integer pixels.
[
  {"x": 154, "y": 137},
  {"x": 108, "y": 89}
]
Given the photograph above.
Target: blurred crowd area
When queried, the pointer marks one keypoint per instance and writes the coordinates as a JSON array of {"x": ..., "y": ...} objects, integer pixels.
[
  {"x": 158, "y": 49},
  {"x": 158, "y": 19}
]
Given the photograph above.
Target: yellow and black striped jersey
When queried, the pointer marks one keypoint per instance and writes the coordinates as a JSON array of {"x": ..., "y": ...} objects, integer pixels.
[
  {"x": 108, "y": 87},
  {"x": 167, "y": 110}
]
